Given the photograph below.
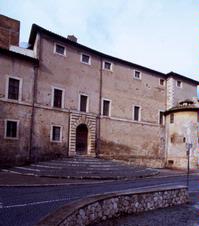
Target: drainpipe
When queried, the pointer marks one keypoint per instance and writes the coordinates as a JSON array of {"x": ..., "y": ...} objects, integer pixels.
[
  {"x": 99, "y": 114},
  {"x": 34, "y": 94}
]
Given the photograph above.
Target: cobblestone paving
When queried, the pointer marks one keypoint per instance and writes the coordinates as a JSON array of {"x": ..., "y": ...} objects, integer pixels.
[{"x": 185, "y": 215}]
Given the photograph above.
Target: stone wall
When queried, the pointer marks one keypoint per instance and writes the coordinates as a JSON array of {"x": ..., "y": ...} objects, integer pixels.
[{"x": 102, "y": 207}]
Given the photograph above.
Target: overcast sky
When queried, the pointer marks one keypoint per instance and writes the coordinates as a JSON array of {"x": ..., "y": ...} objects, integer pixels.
[{"x": 160, "y": 34}]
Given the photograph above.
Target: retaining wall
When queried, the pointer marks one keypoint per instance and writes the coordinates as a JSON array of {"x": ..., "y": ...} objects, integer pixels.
[{"x": 102, "y": 207}]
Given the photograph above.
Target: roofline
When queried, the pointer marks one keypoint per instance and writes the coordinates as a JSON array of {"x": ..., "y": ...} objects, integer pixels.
[
  {"x": 36, "y": 28},
  {"x": 173, "y": 110},
  {"x": 18, "y": 55},
  {"x": 173, "y": 74}
]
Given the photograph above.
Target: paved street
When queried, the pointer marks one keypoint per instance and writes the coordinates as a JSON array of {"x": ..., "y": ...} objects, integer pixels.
[{"x": 26, "y": 205}]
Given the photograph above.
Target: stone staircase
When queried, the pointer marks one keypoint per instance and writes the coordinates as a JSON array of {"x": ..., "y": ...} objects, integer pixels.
[{"x": 83, "y": 167}]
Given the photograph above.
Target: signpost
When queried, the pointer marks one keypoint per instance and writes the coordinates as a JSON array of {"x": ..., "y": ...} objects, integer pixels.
[{"x": 188, "y": 147}]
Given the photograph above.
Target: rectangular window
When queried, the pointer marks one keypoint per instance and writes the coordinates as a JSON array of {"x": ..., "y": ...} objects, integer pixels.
[
  {"x": 56, "y": 133},
  {"x": 162, "y": 81},
  {"x": 106, "y": 108},
  {"x": 83, "y": 103},
  {"x": 85, "y": 59},
  {"x": 161, "y": 118},
  {"x": 57, "y": 98},
  {"x": 59, "y": 49},
  {"x": 171, "y": 118},
  {"x": 107, "y": 65},
  {"x": 11, "y": 129},
  {"x": 136, "y": 114},
  {"x": 179, "y": 84},
  {"x": 13, "y": 88},
  {"x": 137, "y": 74}
]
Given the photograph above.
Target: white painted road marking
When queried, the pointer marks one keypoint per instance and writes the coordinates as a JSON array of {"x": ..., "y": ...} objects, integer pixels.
[{"x": 36, "y": 203}]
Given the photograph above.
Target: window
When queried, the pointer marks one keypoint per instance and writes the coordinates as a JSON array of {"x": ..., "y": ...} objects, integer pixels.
[
  {"x": 58, "y": 99},
  {"x": 59, "y": 49},
  {"x": 83, "y": 105},
  {"x": 171, "y": 118},
  {"x": 179, "y": 84},
  {"x": 106, "y": 107},
  {"x": 85, "y": 59},
  {"x": 161, "y": 118},
  {"x": 137, "y": 74},
  {"x": 56, "y": 133},
  {"x": 14, "y": 88},
  {"x": 11, "y": 129},
  {"x": 162, "y": 81},
  {"x": 107, "y": 65},
  {"x": 136, "y": 113}
]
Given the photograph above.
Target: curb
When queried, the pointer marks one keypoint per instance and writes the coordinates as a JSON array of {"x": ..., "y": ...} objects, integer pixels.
[{"x": 87, "y": 182}]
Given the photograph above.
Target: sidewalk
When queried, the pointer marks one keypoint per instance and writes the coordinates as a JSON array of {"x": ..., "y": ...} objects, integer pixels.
[{"x": 13, "y": 179}]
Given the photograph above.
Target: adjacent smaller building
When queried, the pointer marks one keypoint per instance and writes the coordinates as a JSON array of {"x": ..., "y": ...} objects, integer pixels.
[{"x": 182, "y": 129}]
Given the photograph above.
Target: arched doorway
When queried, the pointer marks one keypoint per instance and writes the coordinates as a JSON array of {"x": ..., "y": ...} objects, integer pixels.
[{"x": 81, "y": 139}]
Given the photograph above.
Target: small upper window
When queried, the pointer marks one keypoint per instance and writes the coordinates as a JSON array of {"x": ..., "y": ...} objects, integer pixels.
[
  {"x": 13, "y": 88},
  {"x": 136, "y": 113},
  {"x": 108, "y": 65},
  {"x": 85, "y": 59},
  {"x": 162, "y": 82},
  {"x": 172, "y": 118},
  {"x": 11, "y": 129},
  {"x": 59, "y": 49},
  {"x": 137, "y": 74},
  {"x": 57, "y": 98},
  {"x": 106, "y": 107},
  {"x": 83, "y": 103},
  {"x": 56, "y": 133},
  {"x": 179, "y": 84}
]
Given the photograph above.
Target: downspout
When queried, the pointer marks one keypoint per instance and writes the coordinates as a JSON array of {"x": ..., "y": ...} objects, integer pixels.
[
  {"x": 34, "y": 93},
  {"x": 99, "y": 114},
  {"x": 33, "y": 111}
]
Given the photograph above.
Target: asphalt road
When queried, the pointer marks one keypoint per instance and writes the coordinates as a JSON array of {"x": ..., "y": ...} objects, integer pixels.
[{"x": 25, "y": 206}]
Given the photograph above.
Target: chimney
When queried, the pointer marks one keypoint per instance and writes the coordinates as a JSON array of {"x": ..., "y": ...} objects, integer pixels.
[
  {"x": 9, "y": 32},
  {"x": 72, "y": 38}
]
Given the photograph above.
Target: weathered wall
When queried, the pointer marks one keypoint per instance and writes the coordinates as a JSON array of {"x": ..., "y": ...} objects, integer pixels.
[
  {"x": 133, "y": 142},
  {"x": 124, "y": 91},
  {"x": 9, "y": 31},
  {"x": 43, "y": 148},
  {"x": 185, "y": 126},
  {"x": 16, "y": 151},
  {"x": 176, "y": 94},
  {"x": 69, "y": 73}
]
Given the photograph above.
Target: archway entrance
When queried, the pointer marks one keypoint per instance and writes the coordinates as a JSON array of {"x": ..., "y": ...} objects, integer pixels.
[{"x": 81, "y": 139}]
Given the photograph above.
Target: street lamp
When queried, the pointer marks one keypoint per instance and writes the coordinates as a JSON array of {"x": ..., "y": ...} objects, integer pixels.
[{"x": 188, "y": 147}]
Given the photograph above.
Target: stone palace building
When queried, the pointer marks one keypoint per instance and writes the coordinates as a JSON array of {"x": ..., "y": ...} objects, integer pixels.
[{"x": 59, "y": 98}]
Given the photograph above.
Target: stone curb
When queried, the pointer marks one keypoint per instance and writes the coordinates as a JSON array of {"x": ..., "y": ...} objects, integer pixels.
[
  {"x": 87, "y": 177},
  {"x": 71, "y": 212},
  {"x": 86, "y": 182}
]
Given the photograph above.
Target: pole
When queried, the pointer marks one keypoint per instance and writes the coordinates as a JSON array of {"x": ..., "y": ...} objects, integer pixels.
[{"x": 188, "y": 166}]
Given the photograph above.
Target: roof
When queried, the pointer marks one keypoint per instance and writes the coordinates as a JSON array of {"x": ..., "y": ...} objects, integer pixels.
[
  {"x": 178, "y": 76},
  {"x": 19, "y": 55},
  {"x": 180, "y": 108},
  {"x": 37, "y": 29}
]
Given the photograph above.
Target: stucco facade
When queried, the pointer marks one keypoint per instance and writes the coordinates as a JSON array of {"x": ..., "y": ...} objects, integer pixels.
[
  {"x": 182, "y": 130},
  {"x": 105, "y": 82}
]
